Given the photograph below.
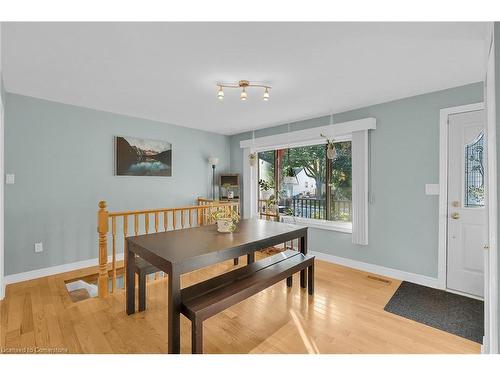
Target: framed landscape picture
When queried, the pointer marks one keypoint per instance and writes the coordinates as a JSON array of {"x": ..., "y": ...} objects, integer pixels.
[{"x": 142, "y": 157}]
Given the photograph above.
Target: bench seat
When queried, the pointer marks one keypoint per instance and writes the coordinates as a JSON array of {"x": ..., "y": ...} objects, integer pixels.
[{"x": 203, "y": 300}]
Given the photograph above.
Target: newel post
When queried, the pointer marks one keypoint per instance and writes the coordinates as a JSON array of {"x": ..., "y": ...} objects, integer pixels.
[{"x": 102, "y": 229}]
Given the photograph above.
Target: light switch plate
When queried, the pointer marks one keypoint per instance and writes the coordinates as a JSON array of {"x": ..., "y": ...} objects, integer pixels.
[
  {"x": 38, "y": 247},
  {"x": 10, "y": 179},
  {"x": 432, "y": 189}
]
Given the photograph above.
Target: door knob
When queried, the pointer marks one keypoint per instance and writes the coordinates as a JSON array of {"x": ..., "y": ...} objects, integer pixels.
[{"x": 455, "y": 215}]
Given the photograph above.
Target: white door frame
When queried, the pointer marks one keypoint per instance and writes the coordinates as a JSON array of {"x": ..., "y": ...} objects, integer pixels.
[
  {"x": 2, "y": 112},
  {"x": 2, "y": 258},
  {"x": 443, "y": 184},
  {"x": 491, "y": 302},
  {"x": 443, "y": 206}
]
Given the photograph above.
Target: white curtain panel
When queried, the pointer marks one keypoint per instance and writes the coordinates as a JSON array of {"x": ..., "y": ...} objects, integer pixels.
[{"x": 360, "y": 187}]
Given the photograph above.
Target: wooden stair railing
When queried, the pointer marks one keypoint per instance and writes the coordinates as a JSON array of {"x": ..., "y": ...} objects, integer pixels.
[{"x": 163, "y": 219}]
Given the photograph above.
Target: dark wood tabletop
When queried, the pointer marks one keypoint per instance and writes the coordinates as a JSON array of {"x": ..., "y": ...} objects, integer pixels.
[
  {"x": 180, "y": 251},
  {"x": 194, "y": 248}
]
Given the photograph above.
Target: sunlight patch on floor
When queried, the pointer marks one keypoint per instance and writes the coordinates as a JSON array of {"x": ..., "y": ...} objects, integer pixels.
[{"x": 310, "y": 345}]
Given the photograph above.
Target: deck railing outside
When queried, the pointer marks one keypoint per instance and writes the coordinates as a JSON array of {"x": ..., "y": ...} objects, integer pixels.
[
  {"x": 314, "y": 208},
  {"x": 115, "y": 227}
]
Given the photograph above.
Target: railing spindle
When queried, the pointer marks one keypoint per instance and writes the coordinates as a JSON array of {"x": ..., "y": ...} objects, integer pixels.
[
  {"x": 165, "y": 220},
  {"x": 136, "y": 224},
  {"x": 182, "y": 219},
  {"x": 174, "y": 219},
  {"x": 146, "y": 222},
  {"x": 156, "y": 222}
]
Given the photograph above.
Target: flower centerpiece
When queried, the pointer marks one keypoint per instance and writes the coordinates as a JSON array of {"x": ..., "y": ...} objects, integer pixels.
[{"x": 226, "y": 220}]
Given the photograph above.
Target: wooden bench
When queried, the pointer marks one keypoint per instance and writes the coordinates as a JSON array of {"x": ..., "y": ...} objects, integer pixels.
[{"x": 203, "y": 300}]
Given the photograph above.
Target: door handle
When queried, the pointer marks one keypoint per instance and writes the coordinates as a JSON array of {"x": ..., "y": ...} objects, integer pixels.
[{"x": 455, "y": 215}]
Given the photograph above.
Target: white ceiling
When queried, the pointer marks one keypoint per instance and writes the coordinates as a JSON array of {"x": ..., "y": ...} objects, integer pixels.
[{"x": 168, "y": 71}]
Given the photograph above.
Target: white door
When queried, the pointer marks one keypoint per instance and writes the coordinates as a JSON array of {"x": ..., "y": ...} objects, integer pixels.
[{"x": 467, "y": 230}]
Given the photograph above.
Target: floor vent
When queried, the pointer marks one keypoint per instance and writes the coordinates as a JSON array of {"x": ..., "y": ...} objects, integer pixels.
[{"x": 376, "y": 278}]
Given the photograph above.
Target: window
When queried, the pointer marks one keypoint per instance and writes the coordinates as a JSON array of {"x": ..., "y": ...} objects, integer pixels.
[
  {"x": 337, "y": 197},
  {"x": 302, "y": 182}
]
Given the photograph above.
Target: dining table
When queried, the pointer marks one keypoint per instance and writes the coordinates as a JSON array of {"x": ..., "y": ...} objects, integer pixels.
[{"x": 180, "y": 251}]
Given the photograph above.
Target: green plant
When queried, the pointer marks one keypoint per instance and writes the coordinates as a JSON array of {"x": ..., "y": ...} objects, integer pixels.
[
  {"x": 289, "y": 172},
  {"x": 266, "y": 185},
  {"x": 225, "y": 214}
]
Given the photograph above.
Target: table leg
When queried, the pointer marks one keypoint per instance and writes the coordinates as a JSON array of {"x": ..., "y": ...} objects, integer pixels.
[
  {"x": 250, "y": 257},
  {"x": 303, "y": 250},
  {"x": 130, "y": 290},
  {"x": 174, "y": 312}
]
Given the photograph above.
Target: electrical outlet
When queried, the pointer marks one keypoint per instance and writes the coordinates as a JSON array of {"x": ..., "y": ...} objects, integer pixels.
[{"x": 38, "y": 247}]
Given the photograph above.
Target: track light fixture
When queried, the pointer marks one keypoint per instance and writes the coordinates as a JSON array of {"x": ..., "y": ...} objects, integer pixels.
[
  {"x": 243, "y": 84},
  {"x": 265, "y": 97},
  {"x": 220, "y": 93}
]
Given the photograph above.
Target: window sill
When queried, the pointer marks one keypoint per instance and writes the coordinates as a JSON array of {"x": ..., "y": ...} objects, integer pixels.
[{"x": 337, "y": 226}]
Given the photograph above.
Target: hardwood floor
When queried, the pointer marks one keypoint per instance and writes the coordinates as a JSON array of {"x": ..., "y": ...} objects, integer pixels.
[{"x": 344, "y": 316}]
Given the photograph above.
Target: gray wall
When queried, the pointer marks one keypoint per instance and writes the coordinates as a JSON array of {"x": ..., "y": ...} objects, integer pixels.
[
  {"x": 403, "y": 221},
  {"x": 62, "y": 158}
]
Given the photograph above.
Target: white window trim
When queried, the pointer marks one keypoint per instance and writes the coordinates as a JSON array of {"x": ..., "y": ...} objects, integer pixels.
[
  {"x": 309, "y": 136},
  {"x": 340, "y": 132},
  {"x": 337, "y": 226}
]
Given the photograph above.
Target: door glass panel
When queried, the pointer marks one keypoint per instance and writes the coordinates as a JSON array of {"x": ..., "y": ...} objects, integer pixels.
[{"x": 474, "y": 173}]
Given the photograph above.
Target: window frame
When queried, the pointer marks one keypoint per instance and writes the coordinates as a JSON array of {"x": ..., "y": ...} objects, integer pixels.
[{"x": 358, "y": 131}]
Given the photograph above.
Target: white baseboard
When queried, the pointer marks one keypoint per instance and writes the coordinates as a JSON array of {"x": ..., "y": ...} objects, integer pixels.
[
  {"x": 49, "y": 271},
  {"x": 379, "y": 270},
  {"x": 367, "y": 267}
]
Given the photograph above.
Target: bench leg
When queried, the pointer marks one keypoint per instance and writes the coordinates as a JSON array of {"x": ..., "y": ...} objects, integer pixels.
[
  {"x": 303, "y": 275},
  {"x": 142, "y": 292},
  {"x": 197, "y": 336},
  {"x": 236, "y": 261},
  {"x": 310, "y": 279},
  {"x": 289, "y": 281},
  {"x": 303, "y": 250}
]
